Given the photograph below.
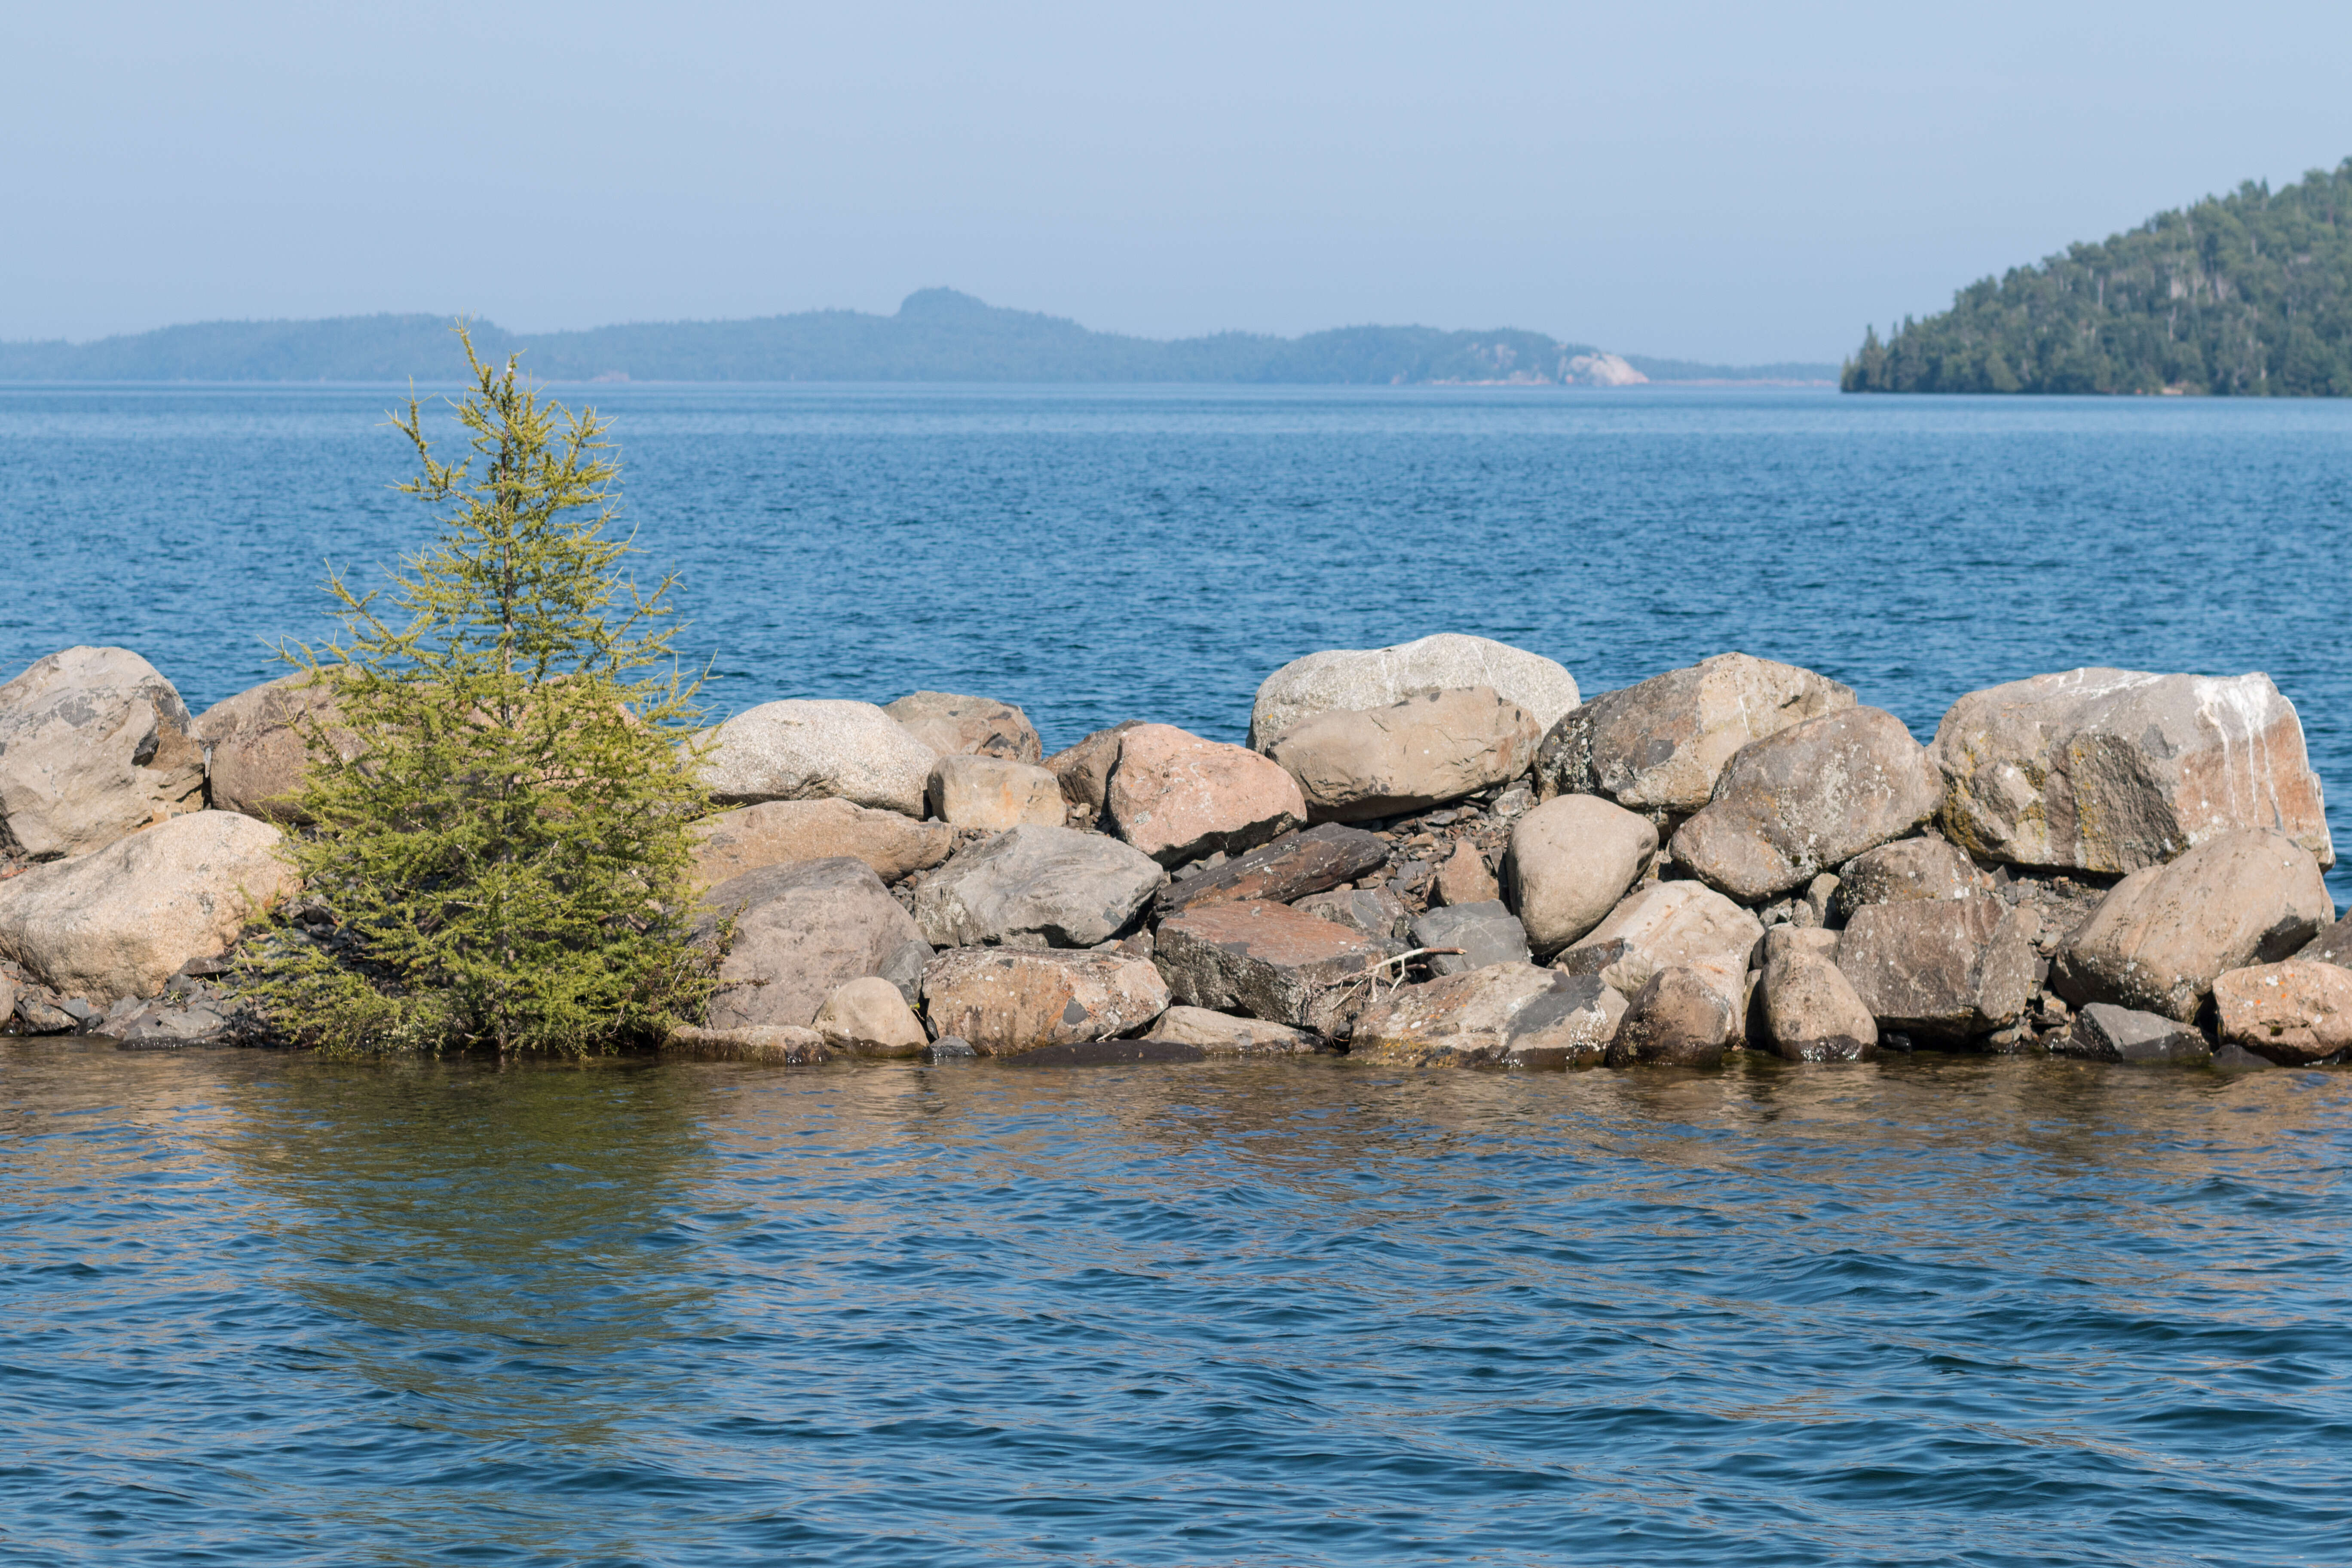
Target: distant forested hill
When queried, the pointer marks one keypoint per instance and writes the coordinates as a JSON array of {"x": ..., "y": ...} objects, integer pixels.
[
  {"x": 937, "y": 334},
  {"x": 2249, "y": 293}
]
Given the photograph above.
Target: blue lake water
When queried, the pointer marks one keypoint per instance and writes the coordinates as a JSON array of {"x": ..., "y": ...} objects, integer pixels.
[{"x": 255, "y": 1309}]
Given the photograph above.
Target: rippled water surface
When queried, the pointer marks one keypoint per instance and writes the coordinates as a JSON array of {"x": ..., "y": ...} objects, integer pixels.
[
  {"x": 1944, "y": 1310},
  {"x": 255, "y": 1309}
]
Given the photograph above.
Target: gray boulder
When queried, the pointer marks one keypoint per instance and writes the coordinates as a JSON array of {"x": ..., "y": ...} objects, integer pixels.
[
  {"x": 257, "y": 744},
  {"x": 1486, "y": 934},
  {"x": 1355, "y": 765},
  {"x": 1009, "y": 1001},
  {"x": 1573, "y": 860},
  {"x": 868, "y": 1017},
  {"x": 967, "y": 726},
  {"x": 802, "y": 931},
  {"x": 1505, "y": 1015},
  {"x": 2162, "y": 935},
  {"x": 1375, "y": 911},
  {"x": 1910, "y": 870},
  {"x": 1036, "y": 887},
  {"x": 1658, "y": 747},
  {"x": 1361, "y": 679},
  {"x": 121, "y": 921},
  {"x": 2117, "y": 770},
  {"x": 1940, "y": 971},
  {"x": 1268, "y": 960},
  {"x": 94, "y": 744},
  {"x": 2105, "y": 1033},
  {"x": 1797, "y": 803},
  {"x": 817, "y": 749}
]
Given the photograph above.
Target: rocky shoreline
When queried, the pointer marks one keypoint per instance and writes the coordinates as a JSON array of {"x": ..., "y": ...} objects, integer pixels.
[{"x": 1434, "y": 854}]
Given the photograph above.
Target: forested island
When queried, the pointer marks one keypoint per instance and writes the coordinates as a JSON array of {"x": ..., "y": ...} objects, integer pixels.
[
  {"x": 937, "y": 334},
  {"x": 2244, "y": 295}
]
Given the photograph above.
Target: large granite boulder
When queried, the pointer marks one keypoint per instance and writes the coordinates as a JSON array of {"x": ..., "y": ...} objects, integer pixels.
[
  {"x": 1178, "y": 797},
  {"x": 1268, "y": 960},
  {"x": 995, "y": 793},
  {"x": 1573, "y": 859},
  {"x": 1084, "y": 770},
  {"x": 2103, "y": 1032},
  {"x": 2114, "y": 770},
  {"x": 868, "y": 1017},
  {"x": 1941, "y": 972},
  {"x": 1354, "y": 764},
  {"x": 1355, "y": 679},
  {"x": 1658, "y": 747},
  {"x": 1011, "y": 1001},
  {"x": 1291, "y": 867},
  {"x": 120, "y": 921},
  {"x": 2294, "y": 1013},
  {"x": 1223, "y": 1035},
  {"x": 1910, "y": 870},
  {"x": 818, "y": 748},
  {"x": 779, "y": 831},
  {"x": 2162, "y": 935},
  {"x": 1036, "y": 887},
  {"x": 967, "y": 726},
  {"x": 1485, "y": 933},
  {"x": 1806, "y": 1010},
  {"x": 1680, "y": 1017},
  {"x": 802, "y": 931},
  {"x": 1505, "y": 1014},
  {"x": 1797, "y": 803},
  {"x": 1667, "y": 925},
  {"x": 94, "y": 744},
  {"x": 256, "y": 743}
]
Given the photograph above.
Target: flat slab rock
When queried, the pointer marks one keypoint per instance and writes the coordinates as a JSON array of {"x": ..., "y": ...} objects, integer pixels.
[
  {"x": 779, "y": 831},
  {"x": 2105, "y": 1033},
  {"x": 1267, "y": 961},
  {"x": 784, "y": 1044},
  {"x": 2117, "y": 770},
  {"x": 1505, "y": 1014},
  {"x": 1223, "y": 1035},
  {"x": 1282, "y": 872}
]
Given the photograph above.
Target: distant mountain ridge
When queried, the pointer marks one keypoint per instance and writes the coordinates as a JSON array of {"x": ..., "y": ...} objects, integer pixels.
[
  {"x": 2245, "y": 295},
  {"x": 937, "y": 334}
]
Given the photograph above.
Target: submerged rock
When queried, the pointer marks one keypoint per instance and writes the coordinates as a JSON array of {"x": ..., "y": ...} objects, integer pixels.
[{"x": 1505, "y": 1015}]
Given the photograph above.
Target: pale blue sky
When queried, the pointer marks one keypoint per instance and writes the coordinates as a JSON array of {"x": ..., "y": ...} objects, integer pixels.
[{"x": 1724, "y": 182}]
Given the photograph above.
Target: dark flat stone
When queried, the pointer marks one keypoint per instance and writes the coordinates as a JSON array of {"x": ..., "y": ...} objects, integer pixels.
[
  {"x": 1288, "y": 869},
  {"x": 1101, "y": 1053}
]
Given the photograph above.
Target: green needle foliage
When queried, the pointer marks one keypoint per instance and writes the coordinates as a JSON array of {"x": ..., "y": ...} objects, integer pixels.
[{"x": 506, "y": 858}]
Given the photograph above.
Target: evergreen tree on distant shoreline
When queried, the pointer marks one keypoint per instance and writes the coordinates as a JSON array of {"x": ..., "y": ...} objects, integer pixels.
[
  {"x": 505, "y": 857},
  {"x": 2244, "y": 295}
]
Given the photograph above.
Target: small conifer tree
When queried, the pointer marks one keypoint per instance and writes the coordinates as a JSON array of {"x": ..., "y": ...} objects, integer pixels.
[{"x": 505, "y": 859}]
